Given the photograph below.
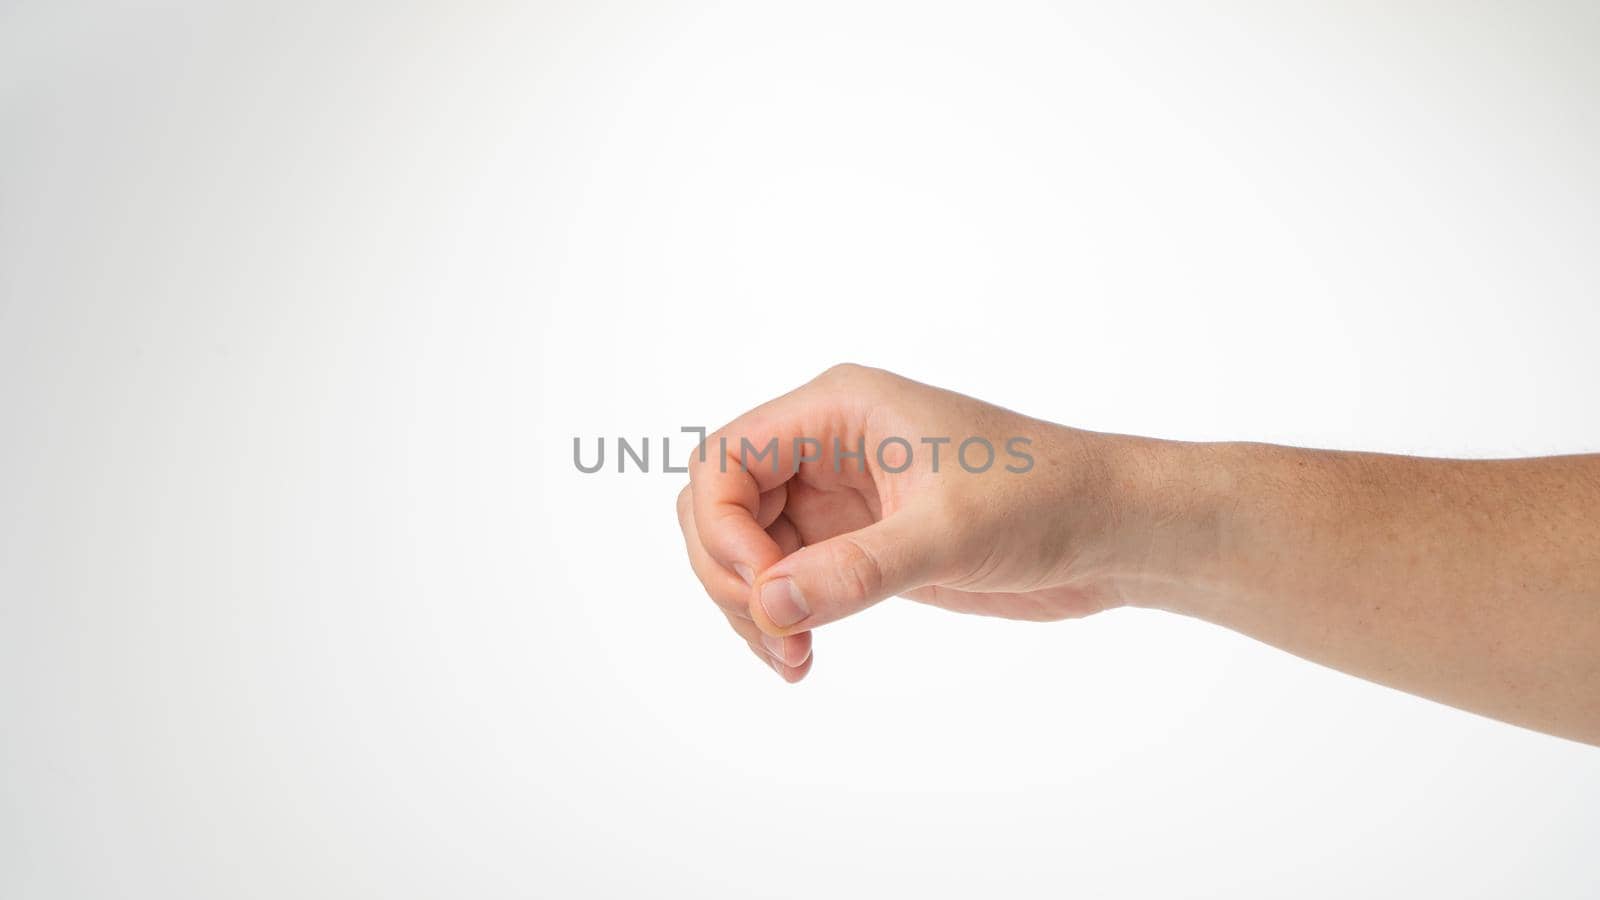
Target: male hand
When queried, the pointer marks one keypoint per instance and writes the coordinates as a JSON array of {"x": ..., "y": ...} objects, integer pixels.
[{"x": 986, "y": 528}]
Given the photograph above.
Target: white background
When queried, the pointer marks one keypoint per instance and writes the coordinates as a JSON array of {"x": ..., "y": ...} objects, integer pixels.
[{"x": 301, "y": 308}]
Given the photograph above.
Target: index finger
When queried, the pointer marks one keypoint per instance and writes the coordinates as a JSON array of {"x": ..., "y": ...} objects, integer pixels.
[{"x": 753, "y": 454}]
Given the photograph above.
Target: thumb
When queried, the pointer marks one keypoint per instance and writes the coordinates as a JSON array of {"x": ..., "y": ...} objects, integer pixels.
[{"x": 845, "y": 574}]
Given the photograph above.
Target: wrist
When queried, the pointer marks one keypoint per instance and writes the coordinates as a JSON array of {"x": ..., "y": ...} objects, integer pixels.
[{"x": 1168, "y": 509}]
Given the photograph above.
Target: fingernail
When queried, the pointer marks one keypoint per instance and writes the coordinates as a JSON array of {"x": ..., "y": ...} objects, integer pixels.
[
  {"x": 782, "y": 602},
  {"x": 774, "y": 646},
  {"x": 745, "y": 573}
]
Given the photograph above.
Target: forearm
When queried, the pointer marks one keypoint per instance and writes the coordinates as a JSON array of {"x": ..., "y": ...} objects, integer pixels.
[{"x": 1475, "y": 583}]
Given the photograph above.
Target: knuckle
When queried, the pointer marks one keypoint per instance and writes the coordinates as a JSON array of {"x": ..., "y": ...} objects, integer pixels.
[
  {"x": 844, "y": 371},
  {"x": 860, "y": 570},
  {"x": 733, "y": 608},
  {"x": 744, "y": 628}
]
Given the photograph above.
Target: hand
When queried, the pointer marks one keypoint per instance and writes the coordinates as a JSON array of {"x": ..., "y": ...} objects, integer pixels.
[{"x": 994, "y": 527}]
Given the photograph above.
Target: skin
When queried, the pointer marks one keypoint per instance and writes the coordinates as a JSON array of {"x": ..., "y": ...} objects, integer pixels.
[{"x": 1471, "y": 582}]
